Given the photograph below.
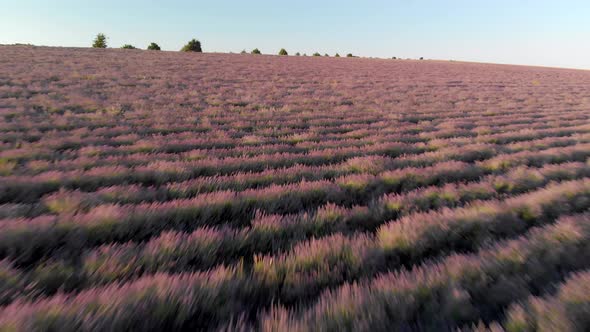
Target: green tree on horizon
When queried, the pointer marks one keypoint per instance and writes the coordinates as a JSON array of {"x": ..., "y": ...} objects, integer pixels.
[
  {"x": 192, "y": 46},
  {"x": 153, "y": 47},
  {"x": 100, "y": 41}
]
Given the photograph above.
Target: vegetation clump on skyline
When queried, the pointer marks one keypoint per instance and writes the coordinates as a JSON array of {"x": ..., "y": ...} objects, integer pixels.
[
  {"x": 153, "y": 47},
  {"x": 192, "y": 46},
  {"x": 100, "y": 41}
]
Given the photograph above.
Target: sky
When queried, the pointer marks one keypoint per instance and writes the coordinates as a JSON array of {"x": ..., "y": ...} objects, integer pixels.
[{"x": 548, "y": 33}]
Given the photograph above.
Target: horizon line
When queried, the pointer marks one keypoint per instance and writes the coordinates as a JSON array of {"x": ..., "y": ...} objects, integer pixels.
[{"x": 457, "y": 60}]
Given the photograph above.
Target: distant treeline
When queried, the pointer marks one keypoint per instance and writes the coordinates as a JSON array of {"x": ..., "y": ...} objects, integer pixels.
[{"x": 194, "y": 45}]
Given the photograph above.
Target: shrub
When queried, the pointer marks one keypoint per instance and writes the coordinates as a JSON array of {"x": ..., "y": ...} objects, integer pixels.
[
  {"x": 154, "y": 47},
  {"x": 317, "y": 54},
  {"x": 128, "y": 47},
  {"x": 394, "y": 58},
  {"x": 100, "y": 41},
  {"x": 297, "y": 54},
  {"x": 243, "y": 52},
  {"x": 283, "y": 52},
  {"x": 349, "y": 55},
  {"x": 256, "y": 51},
  {"x": 192, "y": 46},
  {"x": 326, "y": 54},
  {"x": 567, "y": 310},
  {"x": 337, "y": 55}
]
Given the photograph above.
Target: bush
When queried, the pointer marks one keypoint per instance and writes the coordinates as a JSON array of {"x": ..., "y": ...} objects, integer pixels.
[
  {"x": 192, "y": 46},
  {"x": 283, "y": 52},
  {"x": 100, "y": 41},
  {"x": 337, "y": 55},
  {"x": 349, "y": 55},
  {"x": 326, "y": 54},
  {"x": 297, "y": 54},
  {"x": 256, "y": 51},
  {"x": 154, "y": 47},
  {"x": 243, "y": 52},
  {"x": 128, "y": 47},
  {"x": 394, "y": 58},
  {"x": 317, "y": 54}
]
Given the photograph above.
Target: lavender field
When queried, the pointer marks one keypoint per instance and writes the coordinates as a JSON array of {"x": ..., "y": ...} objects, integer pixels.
[{"x": 163, "y": 191}]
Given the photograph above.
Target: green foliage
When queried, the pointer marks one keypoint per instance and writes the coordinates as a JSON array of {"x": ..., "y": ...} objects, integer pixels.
[
  {"x": 256, "y": 51},
  {"x": 317, "y": 54},
  {"x": 349, "y": 55},
  {"x": 128, "y": 47},
  {"x": 283, "y": 52},
  {"x": 243, "y": 52},
  {"x": 100, "y": 41},
  {"x": 154, "y": 47},
  {"x": 192, "y": 46},
  {"x": 337, "y": 55},
  {"x": 297, "y": 54},
  {"x": 326, "y": 54}
]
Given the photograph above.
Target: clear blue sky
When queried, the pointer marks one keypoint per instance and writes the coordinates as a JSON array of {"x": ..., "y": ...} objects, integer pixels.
[{"x": 551, "y": 33}]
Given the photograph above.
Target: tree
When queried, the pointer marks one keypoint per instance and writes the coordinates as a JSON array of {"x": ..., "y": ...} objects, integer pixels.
[
  {"x": 153, "y": 47},
  {"x": 337, "y": 55},
  {"x": 243, "y": 52},
  {"x": 317, "y": 54},
  {"x": 349, "y": 55},
  {"x": 394, "y": 58},
  {"x": 283, "y": 52},
  {"x": 256, "y": 51},
  {"x": 128, "y": 47},
  {"x": 192, "y": 46},
  {"x": 100, "y": 41},
  {"x": 297, "y": 54},
  {"x": 326, "y": 54}
]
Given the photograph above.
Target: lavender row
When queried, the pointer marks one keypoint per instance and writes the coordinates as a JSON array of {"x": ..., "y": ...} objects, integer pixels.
[
  {"x": 19, "y": 189},
  {"x": 145, "y": 220},
  {"x": 28, "y": 239},
  {"x": 459, "y": 290},
  {"x": 449, "y": 293},
  {"x": 96, "y": 156},
  {"x": 567, "y": 310},
  {"x": 325, "y": 262}
]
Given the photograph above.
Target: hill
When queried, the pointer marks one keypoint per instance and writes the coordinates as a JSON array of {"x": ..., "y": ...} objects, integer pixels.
[{"x": 148, "y": 190}]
